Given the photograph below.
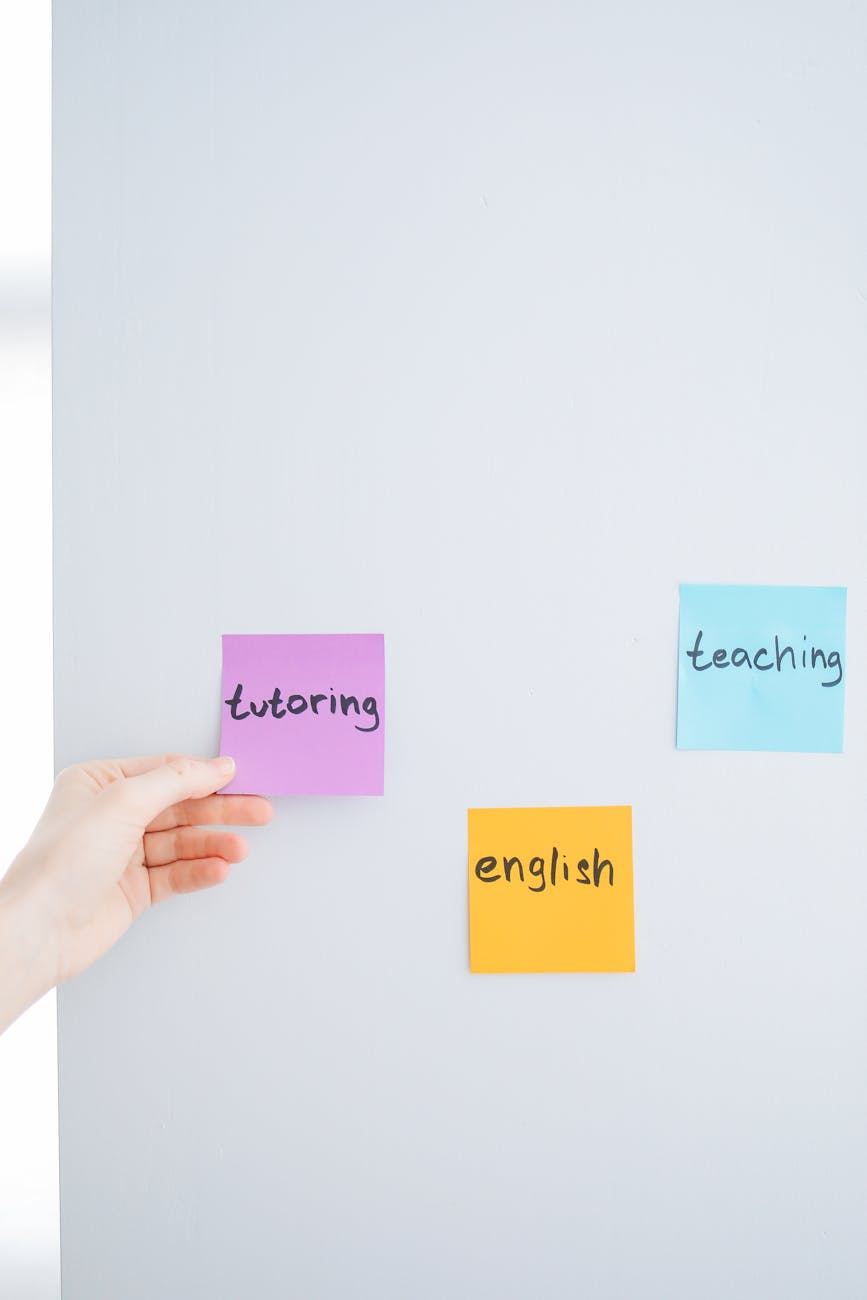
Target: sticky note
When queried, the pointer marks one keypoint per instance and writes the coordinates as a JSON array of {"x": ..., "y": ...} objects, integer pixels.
[
  {"x": 550, "y": 889},
  {"x": 304, "y": 714},
  {"x": 761, "y": 668}
]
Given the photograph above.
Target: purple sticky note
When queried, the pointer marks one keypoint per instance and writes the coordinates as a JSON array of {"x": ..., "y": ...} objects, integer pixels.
[{"x": 304, "y": 714}]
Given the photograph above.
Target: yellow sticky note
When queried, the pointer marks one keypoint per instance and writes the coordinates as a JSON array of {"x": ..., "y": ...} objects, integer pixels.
[{"x": 551, "y": 889}]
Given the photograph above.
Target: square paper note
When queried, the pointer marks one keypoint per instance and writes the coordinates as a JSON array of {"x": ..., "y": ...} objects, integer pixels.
[
  {"x": 761, "y": 668},
  {"x": 551, "y": 889},
  {"x": 303, "y": 714}
]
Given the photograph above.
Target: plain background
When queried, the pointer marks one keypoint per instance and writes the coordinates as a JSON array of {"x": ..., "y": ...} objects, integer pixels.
[
  {"x": 482, "y": 326},
  {"x": 29, "y": 1228}
]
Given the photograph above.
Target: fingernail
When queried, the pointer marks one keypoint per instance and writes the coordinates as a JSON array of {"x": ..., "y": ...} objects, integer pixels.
[{"x": 224, "y": 764}]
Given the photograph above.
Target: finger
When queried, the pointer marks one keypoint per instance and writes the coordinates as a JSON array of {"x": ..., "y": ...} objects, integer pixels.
[
  {"x": 139, "y": 764},
  {"x": 103, "y": 771},
  {"x": 186, "y": 877},
  {"x": 142, "y": 763},
  {"x": 216, "y": 810},
  {"x": 163, "y": 847},
  {"x": 96, "y": 774},
  {"x": 141, "y": 798}
]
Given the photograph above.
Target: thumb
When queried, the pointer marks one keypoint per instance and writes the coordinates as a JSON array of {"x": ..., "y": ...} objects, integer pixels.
[{"x": 144, "y": 797}]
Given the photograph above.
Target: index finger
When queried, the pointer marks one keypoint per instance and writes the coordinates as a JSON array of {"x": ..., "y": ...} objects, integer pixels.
[{"x": 215, "y": 810}]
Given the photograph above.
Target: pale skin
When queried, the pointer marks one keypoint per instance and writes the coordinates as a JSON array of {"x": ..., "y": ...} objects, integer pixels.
[{"x": 116, "y": 837}]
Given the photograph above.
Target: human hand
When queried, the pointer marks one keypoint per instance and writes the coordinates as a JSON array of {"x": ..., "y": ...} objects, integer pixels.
[{"x": 116, "y": 836}]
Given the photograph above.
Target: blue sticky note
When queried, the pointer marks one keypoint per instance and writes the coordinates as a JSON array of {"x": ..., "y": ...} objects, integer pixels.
[{"x": 761, "y": 668}]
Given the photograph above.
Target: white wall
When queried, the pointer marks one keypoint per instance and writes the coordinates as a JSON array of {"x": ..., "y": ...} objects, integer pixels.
[
  {"x": 29, "y": 1227},
  {"x": 482, "y": 326}
]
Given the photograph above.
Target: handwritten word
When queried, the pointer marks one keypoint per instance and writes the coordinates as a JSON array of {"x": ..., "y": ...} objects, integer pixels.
[
  {"x": 740, "y": 658},
  {"x": 296, "y": 704},
  {"x": 513, "y": 868}
]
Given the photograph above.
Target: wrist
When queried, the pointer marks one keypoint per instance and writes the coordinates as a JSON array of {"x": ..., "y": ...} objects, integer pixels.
[{"x": 28, "y": 954}]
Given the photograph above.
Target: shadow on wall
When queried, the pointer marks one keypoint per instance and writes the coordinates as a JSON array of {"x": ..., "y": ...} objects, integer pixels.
[
  {"x": 25, "y": 307},
  {"x": 30, "y": 1276}
]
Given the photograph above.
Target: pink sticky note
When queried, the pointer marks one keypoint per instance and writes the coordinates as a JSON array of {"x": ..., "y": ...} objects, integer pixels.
[{"x": 304, "y": 714}]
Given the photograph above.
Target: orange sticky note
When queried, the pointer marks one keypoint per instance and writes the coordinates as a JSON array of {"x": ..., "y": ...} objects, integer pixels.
[{"x": 551, "y": 889}]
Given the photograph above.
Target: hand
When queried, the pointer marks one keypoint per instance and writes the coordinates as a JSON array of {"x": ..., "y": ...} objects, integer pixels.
[{"x": 116, "y": 836}]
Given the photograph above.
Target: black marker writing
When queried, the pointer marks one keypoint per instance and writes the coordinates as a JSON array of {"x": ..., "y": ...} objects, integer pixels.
[
  {"x": 297, "y": 704},
  {"x": 766, "y": 659},
  {"x": 538, "y": 874}
]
